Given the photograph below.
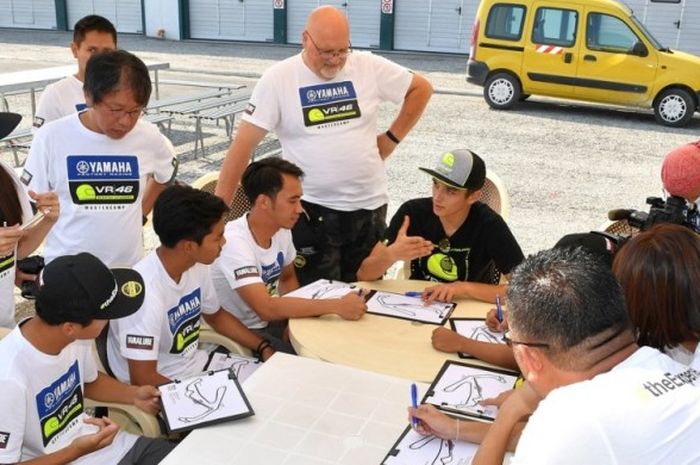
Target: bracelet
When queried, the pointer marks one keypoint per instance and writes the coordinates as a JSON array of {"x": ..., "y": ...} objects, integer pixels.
[
  {"x": 392, "y": 137},
  {"x": 264, "y": 344}
]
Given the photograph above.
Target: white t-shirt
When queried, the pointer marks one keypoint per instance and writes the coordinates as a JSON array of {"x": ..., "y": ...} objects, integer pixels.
[
  {"x": 329, "y": 128},
  {"x": 643, "y": 411},
  {"x": 62, "y": 98},
  {"x": 42, "y": 402},
  {"x": 166, "y": 327},
  {"x": 243, "y": 262},
  {"x": 7, "y": 263},
  {"x": 100, "y": 183}
]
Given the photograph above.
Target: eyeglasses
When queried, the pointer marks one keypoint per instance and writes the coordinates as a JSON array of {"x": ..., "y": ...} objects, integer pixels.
[
  {"x": 444, "y": 245},
  {"x": 510, "y": 342},
  {"x": 119, "y": 114},
  {"x": 330, "y": 54}
]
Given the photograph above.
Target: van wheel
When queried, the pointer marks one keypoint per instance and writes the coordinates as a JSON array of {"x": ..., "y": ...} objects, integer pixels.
[
  {"x": 502, "y": 91},
  {"x": 674, "y": 107}
]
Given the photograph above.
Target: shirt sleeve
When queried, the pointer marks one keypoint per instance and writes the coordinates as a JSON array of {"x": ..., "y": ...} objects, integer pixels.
[
  {"x": 139, "y": 333},
  {"x": 12, "y": 426},
  {"x": 393, "y": 80},
  {"x": 264, "y": 106},
  {"x": 166, "y": 163},
  {"x": 240, "y": 266},
  {"x": 36, "y": 175},
  {"x": 503, "y": 247}
]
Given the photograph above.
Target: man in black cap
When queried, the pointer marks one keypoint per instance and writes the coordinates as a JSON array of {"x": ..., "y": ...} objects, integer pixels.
[
  {"x": 451, "y": 238},
  {"x": 46, "y": 370}
]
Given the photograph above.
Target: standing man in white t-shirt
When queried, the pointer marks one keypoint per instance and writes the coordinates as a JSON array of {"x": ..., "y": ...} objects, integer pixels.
[
  {"x": 47, "y": 370},
  {"x": 98, "y": 162},
  {"x": 323, "y": 106},
  {"x": 160, "y": 342},
  {"x": 591, "y": 396},
  {"x": 256, "y": 264},
  {"x": 91, "y": 35}
]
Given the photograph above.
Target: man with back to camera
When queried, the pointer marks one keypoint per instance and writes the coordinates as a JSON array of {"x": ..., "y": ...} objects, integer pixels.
[
  {"x": 92, "y": 34},
  {"x": 256, "y": 268},
  {"x": 323, "y": 105},
  {"x": 594, "y": 396},
  {"x": 98, "y": 162},
  {"x": 47, "y": 369},
  {"x": 160, "y": 342}
]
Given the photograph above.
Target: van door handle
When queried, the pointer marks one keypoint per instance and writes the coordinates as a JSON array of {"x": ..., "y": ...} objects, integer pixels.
[
  {"x": 568, "y": 57},
  {"x": 589, "y": 58}
]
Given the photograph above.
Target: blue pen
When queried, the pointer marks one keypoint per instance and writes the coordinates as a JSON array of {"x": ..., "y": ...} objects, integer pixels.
[
  {"x": 413, "y": 293},
  {"x": 414, "y": 402},
  {"x": 499, "y": 310}
]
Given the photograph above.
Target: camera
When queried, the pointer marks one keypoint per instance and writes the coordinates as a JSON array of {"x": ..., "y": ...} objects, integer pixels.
[
  {"x": 30, "y": 265},
  {"x": 674, "y": 210}
]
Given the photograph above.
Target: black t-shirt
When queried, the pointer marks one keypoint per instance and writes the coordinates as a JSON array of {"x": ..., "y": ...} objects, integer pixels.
[{"x": 480, "y": 245}]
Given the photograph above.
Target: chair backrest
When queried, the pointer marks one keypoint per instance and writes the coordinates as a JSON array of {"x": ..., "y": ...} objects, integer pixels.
[
  {"x": 239, "y": 204},
  {"x": 100, "y": 347},
  {"x": 620, "y": 228},
  {"x": 495, "y": 195}
]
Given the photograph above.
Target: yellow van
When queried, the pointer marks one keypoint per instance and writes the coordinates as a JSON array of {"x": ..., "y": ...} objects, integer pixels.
[{"x": 593, "y": 50}]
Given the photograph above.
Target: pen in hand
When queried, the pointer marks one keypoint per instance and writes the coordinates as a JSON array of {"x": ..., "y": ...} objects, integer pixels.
[
  {"x": 414, "y": 403},
  {"x": 499, "y": 310}
]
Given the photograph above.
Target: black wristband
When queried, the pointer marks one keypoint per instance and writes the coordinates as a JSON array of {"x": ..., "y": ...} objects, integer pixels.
[
  {"x": 392, "y": 137},
  {"x": 264, "y": 344}
]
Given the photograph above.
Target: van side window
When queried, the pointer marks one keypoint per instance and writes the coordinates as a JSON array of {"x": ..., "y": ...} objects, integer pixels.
[
  {"x": 555, "y": 26},
  {"x": 609, "y": 34},
  {"x": 505, "y": 21}
]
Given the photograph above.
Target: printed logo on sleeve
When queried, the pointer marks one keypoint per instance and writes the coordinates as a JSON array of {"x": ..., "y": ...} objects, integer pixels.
[
  {"x": 183, "y": 321},
  {"x": 105, "y": 182},
  {"x": 60, "y": 405},
  {"x": 250, "y": 109},
  {"x": 246, "y": 272},
  {"x": 80, "y": 107},
  {"x": 4, "y": 439},
  {"x": 38, "y": 122},
  {"x": 329, "y": 104},
  {"x": 26, "y": 177},
  {"x": 137, "y": 342}
]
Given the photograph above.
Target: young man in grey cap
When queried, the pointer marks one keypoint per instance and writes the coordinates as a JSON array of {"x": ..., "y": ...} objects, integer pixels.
[
  {"x": 451, "y": 238},
  {"x": 47, "y": 369}
]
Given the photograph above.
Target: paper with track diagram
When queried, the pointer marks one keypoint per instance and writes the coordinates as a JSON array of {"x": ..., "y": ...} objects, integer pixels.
[
  {"x": 408, "y": 307},
  {"x": 475, "y": 328},
  {"x": 413, "y": 448},
  {"x": 323, "y": 289}
]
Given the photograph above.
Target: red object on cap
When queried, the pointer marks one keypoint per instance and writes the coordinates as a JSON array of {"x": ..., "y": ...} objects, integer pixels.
[{"x": 680, "y": 171}]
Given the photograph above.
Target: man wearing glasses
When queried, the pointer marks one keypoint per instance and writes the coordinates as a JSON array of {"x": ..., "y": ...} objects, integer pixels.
[
  {"x": 98, "y": 161},
  {"x": 451, "y": 238},
  {"x": 323, "y": 106},
  {"x": 592, "y": 395}
]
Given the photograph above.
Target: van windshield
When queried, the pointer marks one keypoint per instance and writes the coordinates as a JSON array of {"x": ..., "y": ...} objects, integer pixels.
[{"x": 655, "y": 43}]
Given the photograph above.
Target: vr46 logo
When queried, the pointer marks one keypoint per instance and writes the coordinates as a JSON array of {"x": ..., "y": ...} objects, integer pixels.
[{"x": 114, "y": 190}]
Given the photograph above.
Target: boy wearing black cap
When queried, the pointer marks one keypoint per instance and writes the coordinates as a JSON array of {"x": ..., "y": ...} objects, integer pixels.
[
  {"x": 451, "y": 238},
  {"x": 46, "y": 370}
]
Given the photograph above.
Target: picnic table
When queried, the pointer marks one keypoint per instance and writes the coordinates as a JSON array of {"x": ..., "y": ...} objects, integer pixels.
[{"x": 33, "y": 79}]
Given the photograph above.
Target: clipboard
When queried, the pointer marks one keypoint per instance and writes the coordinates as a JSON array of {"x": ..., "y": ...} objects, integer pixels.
[
  {"x": 411, "y": 308},
  {"x": 460, "y": 386},
  {"x": 414, "y": 448},
  {"x": 323, "y": 289},
  {"x": 206, "y": 399},
  {"x": 476, "y": 329}
]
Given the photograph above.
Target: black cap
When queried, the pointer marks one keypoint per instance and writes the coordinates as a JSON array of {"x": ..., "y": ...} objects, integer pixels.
[
  {"x": 8, "y": 123},
  {"x": 461, "y": 169},
  {"x": 81, "y": 287},
  {"x": 595, "y": 244}
]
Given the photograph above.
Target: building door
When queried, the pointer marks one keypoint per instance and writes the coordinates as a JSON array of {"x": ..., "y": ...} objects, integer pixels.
[
  {"x": 32, "y": 14},
  {"x": 250, "y": 20},
  {"x": 364, "y": 17},
  {"x": 434, "y": 25},
  {"x": 126, "y": 15}
]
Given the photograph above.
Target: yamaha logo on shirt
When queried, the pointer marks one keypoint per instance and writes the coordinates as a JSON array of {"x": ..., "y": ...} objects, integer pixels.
[
  {"x": 324, "y": 104},
  {"x": 60, "y": 404},
  {"x": 106, "y": 182},
  {"x": 4, "y": 439},
  {"x": 183, "y": 321}
]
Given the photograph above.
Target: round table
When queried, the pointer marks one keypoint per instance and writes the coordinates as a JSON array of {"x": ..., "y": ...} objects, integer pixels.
[{"x": 377, "y": 343}]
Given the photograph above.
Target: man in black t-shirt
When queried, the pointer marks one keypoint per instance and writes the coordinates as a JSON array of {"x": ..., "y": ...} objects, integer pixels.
[{"x": 451, "y": 237}]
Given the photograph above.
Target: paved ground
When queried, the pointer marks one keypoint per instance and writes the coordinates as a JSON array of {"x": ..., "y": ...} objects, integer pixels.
[{"x": 565, "y": 165}]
